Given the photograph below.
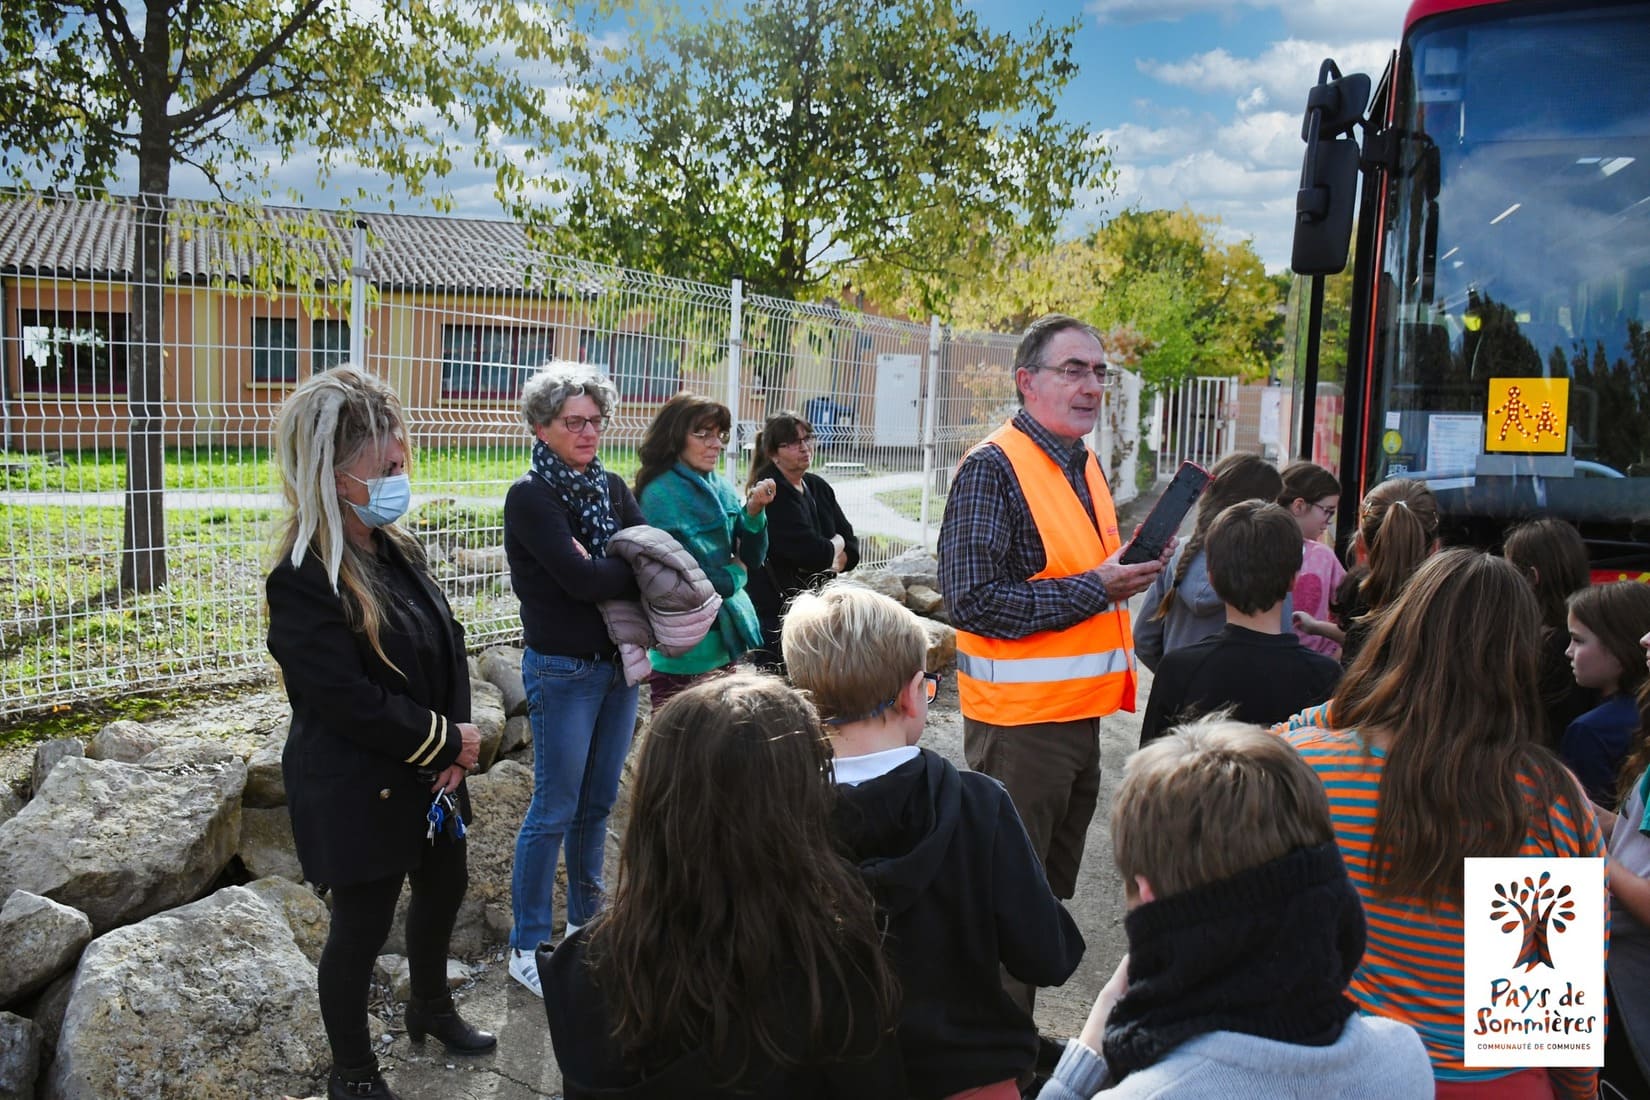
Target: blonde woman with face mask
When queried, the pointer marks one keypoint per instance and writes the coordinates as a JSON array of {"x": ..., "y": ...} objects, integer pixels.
[{"x": 373, "y": 663}]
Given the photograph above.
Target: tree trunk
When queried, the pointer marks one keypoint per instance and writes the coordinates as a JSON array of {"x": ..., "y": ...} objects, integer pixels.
[{"x": 143, "y": 558}]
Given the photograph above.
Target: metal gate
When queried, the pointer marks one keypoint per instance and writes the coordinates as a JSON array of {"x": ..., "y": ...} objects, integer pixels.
[{"x": 1194, "y": 422}]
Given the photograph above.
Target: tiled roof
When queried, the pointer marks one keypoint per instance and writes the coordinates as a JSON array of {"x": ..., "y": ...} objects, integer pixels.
[{"x": 95, "y": 239}]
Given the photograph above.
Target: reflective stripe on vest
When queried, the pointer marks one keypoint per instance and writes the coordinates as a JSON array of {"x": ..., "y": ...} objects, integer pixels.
[
  {"x": 1083, "y": 671},
  {"x": 1039, "y": 670}
]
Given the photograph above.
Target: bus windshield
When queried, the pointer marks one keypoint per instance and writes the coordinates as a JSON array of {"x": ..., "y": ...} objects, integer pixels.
[{"x": 1512, "y": 296}]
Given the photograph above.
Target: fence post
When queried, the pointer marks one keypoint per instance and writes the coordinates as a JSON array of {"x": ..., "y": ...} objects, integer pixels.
[
  {"x": 735, "y": 343},
  {"x": 358, "y": 296},
  {"x": 930, "y": 422}
]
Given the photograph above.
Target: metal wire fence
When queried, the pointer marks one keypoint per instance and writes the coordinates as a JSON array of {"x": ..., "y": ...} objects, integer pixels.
[{"x": 153, "y": 377}]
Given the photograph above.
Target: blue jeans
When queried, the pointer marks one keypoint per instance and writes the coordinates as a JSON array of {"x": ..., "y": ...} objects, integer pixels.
[{"x": 583, "y": 715}]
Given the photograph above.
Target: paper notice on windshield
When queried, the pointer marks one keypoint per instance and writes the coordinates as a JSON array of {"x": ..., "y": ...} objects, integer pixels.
[{"x": 1454, "y": 443}]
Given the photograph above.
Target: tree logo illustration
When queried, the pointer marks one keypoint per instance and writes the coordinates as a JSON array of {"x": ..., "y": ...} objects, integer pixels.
[{"x": 1535, "y": 907}]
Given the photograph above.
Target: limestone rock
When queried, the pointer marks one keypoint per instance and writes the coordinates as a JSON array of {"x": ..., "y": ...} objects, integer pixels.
[
  {"x": 48, "y": 754},
  {"x": 122, "y": 841},
  {"x": 208, "y": 1001},
  {"x": 125, "y": 741},
  {"x": 11, "y": 801},
  {"x": 48, "y": 1008},
  {"x": 39, "y": 939},
  {"x": 916, "y": 566},
  {"x": 20, "y": 1043},
  {"x": 306, "y": 915},
  {"x": 879, "y": 580},
  {"x": 487, "y": 713},
  {"x": 942, "y": 645},
  {"x": 488, "y": 559},
  {"x": 265, "y": 782},
  {"x": 923, "y": 600},
  {"x": 189, "y": 753},
  {"x": 501, "y": 665},
  {"x": 393, "y": 971},
  {"x": 517, "y": 732},
  {"x": 266, "y": 845}
]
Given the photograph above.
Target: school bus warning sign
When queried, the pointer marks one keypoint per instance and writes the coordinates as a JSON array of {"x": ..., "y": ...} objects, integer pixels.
[{"x": 1528, "y": 415}]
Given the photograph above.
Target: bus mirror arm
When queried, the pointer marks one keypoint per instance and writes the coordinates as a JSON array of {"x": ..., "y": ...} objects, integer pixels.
[{"x": 1329, "y": 171}]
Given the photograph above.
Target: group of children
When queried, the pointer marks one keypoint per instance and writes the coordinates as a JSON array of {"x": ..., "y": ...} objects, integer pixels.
[
  {"x": 809, "y": 904},
  {"x": 1488, "y": 706}
]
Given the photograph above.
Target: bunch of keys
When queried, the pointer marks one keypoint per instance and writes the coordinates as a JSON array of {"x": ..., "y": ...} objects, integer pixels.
[{"x": 444, "y": 819}]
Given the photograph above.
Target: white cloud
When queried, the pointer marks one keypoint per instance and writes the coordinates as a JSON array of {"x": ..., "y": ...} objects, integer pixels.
[{"x": 1281, "y": 74}]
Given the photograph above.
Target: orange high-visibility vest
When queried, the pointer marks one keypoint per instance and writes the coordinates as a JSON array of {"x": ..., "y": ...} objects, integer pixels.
[{"x": 1084, "y": 671}]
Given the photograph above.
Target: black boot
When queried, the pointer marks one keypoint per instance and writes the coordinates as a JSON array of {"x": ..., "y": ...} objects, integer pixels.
[
  {"x": 362, "y": 1084},
  {"x": 439, "y": 1018}
]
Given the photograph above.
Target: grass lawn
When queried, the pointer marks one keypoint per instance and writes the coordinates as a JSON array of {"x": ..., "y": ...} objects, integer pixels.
[
  {"x": 908, "y": 503},
  {"x": 252, "y": 468}
]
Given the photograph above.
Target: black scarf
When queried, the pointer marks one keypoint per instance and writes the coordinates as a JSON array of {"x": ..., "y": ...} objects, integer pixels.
[
  {"x": 1267, "y": 952},
  {"x": 584, "y": 494}
]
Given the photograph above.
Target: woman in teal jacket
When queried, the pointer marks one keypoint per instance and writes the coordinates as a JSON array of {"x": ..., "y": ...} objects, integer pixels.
[{"x": 681, "y": 492}]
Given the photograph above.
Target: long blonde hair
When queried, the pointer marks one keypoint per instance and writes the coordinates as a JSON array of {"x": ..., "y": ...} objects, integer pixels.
[{"x": 325, "y": 425}]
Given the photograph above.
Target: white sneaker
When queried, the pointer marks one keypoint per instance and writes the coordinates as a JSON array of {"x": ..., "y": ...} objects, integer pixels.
[{"x": 524, "y": 968}]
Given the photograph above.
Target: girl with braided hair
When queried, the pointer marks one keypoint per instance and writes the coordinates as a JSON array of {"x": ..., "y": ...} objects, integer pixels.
[{"x": 1182, "y": 607}]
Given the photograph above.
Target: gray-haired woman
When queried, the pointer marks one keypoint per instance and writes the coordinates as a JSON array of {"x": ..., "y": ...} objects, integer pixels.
[{"x": 558, "y": 519}]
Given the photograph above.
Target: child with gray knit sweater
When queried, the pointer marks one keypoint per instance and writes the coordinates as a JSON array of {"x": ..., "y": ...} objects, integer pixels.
[{"x": 1243, "y": 932}]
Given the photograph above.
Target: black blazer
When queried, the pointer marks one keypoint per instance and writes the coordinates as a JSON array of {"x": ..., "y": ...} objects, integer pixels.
[
  {"x": 800, "y": 526},
  {"x": 361, "y": 731}
]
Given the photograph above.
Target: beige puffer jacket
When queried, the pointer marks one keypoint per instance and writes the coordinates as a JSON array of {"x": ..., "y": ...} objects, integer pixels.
[{"x": 678, "y": 605}]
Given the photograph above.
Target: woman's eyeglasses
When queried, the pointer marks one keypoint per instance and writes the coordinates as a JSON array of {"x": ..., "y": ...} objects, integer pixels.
[
  {"x": 577, "y": 424},
  {"x": 705, "y": 435},
  {"x": 798, "y": 444}
]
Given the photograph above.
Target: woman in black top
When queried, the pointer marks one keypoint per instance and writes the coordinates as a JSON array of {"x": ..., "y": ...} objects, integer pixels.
[
  {"x": 558, "y": 518},
  {"x": 373, "y": 664},
  {"x": 739, "y": 955},
  {"x": 809, "y": 539}
]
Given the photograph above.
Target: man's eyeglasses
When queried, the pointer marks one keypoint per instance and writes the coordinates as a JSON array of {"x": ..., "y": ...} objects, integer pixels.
[
  {"x": 797, "y": 444},
  {"x": 705, "y": 435},
  {"x": 577, "y": 424},
  {"x": 1075, "y": 372}
]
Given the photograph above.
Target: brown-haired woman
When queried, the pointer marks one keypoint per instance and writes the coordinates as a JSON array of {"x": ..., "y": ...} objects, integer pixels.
[
  {"x": 809, "y": 539},
  {"x": 1437, "y": 723},
  {"x": 1553, "y": 558},
  {"x": 373, "y": 663},
  {"x": 681, "y": 492},
  {"x": 1397, "y": 530},
  {"x": 1186, "y": 608},
  {"x": 738, "y": 954}
]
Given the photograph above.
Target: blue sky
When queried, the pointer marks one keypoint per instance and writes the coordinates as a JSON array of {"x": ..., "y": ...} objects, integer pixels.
[{"x": 1199, "y": 100}]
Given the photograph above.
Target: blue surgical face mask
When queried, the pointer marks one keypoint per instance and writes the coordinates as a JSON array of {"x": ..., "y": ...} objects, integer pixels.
[{"x": 387, "y": 499}]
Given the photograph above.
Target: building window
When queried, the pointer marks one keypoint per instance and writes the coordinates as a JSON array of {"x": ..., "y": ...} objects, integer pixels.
[
  {"x": 489, "y": 362},
  {"x": 642, "y": 367},
  {"x": 74, "y": 352},
  {"x": 328, "y": 344},
  {"x": 274, "y": 350}
]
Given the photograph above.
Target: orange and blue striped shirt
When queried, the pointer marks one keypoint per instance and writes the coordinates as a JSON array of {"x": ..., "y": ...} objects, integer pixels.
[{"x": 1412, "y": 969}]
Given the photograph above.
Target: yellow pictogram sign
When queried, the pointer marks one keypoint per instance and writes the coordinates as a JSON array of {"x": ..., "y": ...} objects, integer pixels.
[{"x": 1528, "y": 414}]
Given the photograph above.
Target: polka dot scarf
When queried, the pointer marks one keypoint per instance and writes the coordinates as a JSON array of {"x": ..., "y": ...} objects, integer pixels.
[{"x": 585, "y": 496}]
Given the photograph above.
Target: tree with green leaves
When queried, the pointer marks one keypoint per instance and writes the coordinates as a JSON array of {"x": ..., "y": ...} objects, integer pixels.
[
  {"x": 1207, "y": 307},
  {"x": 790, "y": 141},
  {"x": 402, "y": 90}
]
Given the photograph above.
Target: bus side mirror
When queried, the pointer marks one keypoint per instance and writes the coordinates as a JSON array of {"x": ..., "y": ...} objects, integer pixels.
[
  {"x": 1329, "y": 172},
  {"x": 1324, "y": 206}
]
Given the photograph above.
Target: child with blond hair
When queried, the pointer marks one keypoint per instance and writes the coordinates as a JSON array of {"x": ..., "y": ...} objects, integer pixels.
[{"x": 945, "y": 855}]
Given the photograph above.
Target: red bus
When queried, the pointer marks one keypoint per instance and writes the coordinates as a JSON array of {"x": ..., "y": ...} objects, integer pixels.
[{"x": 1499, "y": 339}]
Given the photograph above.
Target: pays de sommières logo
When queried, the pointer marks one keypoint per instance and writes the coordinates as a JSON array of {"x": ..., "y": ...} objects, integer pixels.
[
  {"x": 1535, "y": 910},
  {"x": 1533, "y": 961}
]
